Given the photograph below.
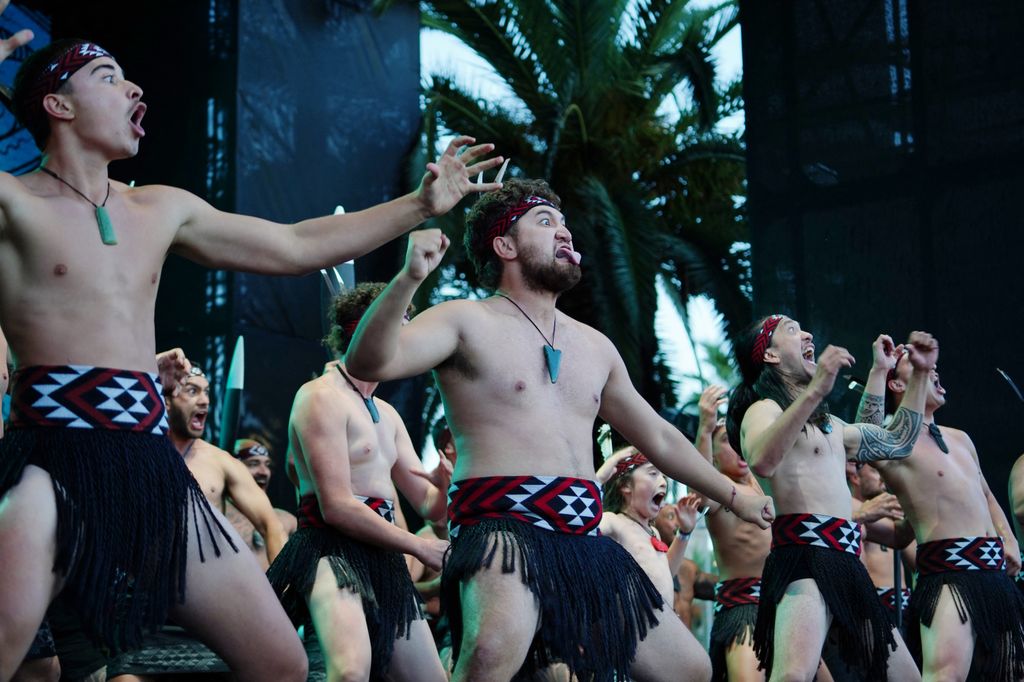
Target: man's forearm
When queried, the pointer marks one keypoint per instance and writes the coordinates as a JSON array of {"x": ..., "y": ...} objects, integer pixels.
[
  {"x": 871, "y": 409},
  {"x": 329, "y": 240},
  {"x": 375, "y": 341},
  {"x": 766, "y": 453},
  {"x": 274, "y": 535}
]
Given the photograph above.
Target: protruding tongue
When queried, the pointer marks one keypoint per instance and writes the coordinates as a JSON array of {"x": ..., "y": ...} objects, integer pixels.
[{"x": 573, "y": 256}]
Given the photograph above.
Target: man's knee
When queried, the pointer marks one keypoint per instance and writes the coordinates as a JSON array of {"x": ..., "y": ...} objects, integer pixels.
[{"x": 348, "y": 671}]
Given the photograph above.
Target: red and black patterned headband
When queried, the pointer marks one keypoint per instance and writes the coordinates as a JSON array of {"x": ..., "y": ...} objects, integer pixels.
[
  {"x": 627, "y": 464},
  {"x": 764, "y": 338},
  {"x": 503, "y": 223},
  {"x": 57, "y": 73}
]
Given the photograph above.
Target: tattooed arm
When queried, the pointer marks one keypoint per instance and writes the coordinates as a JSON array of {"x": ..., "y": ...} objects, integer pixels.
[
  {"x": 884, "y": 358},
  {"x": 870, "y": 443}
]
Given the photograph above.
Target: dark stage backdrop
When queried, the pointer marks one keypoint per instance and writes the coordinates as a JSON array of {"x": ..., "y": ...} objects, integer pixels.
[
  {"x": 281, "y": 109},
  {"x": 885, "y": 142},
  {"x": 327, "y": 110}
]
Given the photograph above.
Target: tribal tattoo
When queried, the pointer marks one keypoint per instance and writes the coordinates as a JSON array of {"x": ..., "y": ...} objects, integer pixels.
[
  {"x": 871, "y": 409},
  {"x": 894, "y": 442}
]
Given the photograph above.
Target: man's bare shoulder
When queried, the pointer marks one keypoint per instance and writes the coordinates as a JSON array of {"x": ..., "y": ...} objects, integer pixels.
[
  {"x": 764, "y": 408},
  {"x": 213, "y": 453}
]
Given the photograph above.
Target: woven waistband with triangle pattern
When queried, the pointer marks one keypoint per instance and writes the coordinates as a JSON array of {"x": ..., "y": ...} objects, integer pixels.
[
  {"x": 888, "y": 597},
  {"x": 555, "y": 503},
  {"x": 737, "y": 592},
  {"x": 816, "y": 530},
  {"x": 85, "y": 397},
  {"x": 960, "y": 554},
  {"x": 309, "y": 516}
]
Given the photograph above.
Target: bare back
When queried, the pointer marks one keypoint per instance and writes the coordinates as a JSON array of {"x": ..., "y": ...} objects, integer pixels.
[
  {"x": 509, "y": 417},
  {"x": 942, "y": 494},
  {"x": 740, "y": 547},
  {"x": 65, "y": 297}
]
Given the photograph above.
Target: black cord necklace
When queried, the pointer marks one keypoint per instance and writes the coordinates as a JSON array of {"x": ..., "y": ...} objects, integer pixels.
[
  {"x": 374, "y": 414},
  {"x": 552, "y": 355},
  {"x": 936, "y": 434},
  {"x": 107, "y": 233}
]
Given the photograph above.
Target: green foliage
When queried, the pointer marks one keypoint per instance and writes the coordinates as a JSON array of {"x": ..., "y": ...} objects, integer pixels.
[{"x": 648, "y": 185}]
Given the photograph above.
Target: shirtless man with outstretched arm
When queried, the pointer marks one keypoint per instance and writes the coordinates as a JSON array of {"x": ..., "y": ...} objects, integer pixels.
[
  {"x": 522, "y": 409},
  {"x": 964, "y": 606},
  {"x": 77, "y": 294},
  {"x": 813, "y": 579}
]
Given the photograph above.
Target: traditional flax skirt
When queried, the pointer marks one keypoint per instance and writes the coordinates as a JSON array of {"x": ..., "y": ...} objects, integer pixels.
[
  {"x": 827, "y": 550},
  {"x": 595, "y": 601},
  {"x": 380, "y": 577},
  {"x": 974, "y": 570},
  {"x": 735, "y": 617},
  {"x": 124, "y": 495}
]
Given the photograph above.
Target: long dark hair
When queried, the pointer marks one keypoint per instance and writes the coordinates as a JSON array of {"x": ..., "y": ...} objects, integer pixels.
[{"x": 759, "y": 381}]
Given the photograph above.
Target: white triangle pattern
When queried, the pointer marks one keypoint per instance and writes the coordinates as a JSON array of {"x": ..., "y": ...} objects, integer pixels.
[{"x": 123, "y": 389}]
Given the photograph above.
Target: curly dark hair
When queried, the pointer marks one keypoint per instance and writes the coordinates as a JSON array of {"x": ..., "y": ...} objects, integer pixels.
[
  {"x": 485, "y": 211},
  {"x": 24, "y": 84},
  {"x": 347, "y": 309}
]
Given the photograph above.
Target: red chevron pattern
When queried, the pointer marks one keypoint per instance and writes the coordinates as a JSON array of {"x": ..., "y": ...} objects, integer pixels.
[
  {"x": 816, "y": 530},
  {"x": 503, "y": 223},
  {"x": 888, "y": 597},
  {"x": 737, "y": 592},
  {"x": 59, "y": 71},
  {"x": 764, "y": 338},
  {"x": 961, "y": 554},
  {"x": 309, "y": 515},
  {"x": 84, "y": 397},
  {"x": 561, "y": 504},
  {"x": 384, "y": 508}
]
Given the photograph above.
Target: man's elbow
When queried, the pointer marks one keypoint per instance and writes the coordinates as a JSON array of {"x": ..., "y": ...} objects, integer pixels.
[{"x": 761, "y": 467}]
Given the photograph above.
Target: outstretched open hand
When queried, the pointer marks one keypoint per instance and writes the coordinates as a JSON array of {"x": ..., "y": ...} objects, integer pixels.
[
  {"x": 448, "y": 179},
  {"x": 22, "y": 37}
]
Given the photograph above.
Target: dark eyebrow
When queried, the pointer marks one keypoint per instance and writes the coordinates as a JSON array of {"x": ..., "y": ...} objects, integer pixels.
[{"x": 101, "y": 66}]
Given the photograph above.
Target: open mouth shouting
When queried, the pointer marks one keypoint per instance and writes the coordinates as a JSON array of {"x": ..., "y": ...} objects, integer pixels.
[
  {"x": 808, "y": 354},
  {"x": 135, "y": 119},
  {"x": 197, "y": 424}
]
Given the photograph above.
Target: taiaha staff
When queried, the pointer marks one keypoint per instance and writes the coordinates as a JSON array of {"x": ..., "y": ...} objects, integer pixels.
[{"x": 232, "y": 404}]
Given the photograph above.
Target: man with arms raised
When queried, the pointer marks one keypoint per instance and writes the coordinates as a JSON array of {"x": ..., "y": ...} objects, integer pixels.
[
  {"x": 813, "y": 579},
  {"x": 529, "y": 580},
  {"x": 80, "y": 261},
  {"x": 964, "y": 599},
  {"x": 344, "y": 570}
]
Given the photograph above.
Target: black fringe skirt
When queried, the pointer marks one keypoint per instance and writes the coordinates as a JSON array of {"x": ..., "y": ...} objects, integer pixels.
[
  {"x": 994, "y": 607},
  {"x": 596, "y": 603},
  {"x": 731, "y": 626},
  {"x": 380, "y": 577},
  {"x": 124, "y": 504},
  {"x": 862, "y": 630}
]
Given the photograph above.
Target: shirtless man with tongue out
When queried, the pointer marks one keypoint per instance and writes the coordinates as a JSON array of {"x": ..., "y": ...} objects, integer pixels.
[{"x": 529, "y": 580}]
